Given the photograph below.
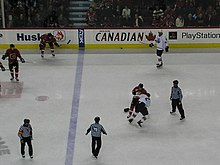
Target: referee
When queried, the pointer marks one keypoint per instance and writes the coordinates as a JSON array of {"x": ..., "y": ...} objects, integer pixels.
[
  {"x": 96, "y": 131},
  {"x": 25, "y": 135},
  {"x": 176, "y": 97}
]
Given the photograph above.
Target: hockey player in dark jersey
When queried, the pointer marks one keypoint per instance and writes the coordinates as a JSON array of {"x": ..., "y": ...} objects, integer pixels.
[
  {"x": 49, "y": 39},
  {"x": 13, "y": 54},
  {"x": 2, "y": 67},
  {"x": 136, "y": 91}
]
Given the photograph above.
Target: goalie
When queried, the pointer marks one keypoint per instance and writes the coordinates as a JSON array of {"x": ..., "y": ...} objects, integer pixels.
[{"x": 49, "y": 39}]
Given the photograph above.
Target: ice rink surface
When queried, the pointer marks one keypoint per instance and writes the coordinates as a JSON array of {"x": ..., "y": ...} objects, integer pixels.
[{"x": 80, "y": 85}]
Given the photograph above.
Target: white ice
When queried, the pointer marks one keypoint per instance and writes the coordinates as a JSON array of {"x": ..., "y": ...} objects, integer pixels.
[{"x": 107, "y": 80}]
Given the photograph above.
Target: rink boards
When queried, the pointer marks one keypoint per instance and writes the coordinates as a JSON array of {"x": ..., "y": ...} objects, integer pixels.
[{"x": 72, "y": 38}]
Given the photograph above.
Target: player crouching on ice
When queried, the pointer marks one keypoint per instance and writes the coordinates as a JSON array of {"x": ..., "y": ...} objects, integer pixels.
[
  {"x": 141, "y": 107},
  {"x": 51, "y": 40}
]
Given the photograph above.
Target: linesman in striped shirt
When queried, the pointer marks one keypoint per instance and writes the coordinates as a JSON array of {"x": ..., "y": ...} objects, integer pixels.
[
  {"x": 176, "y": 97},
  {"x": 25, "y": 135},
  {"x": 96, "y": 131}
]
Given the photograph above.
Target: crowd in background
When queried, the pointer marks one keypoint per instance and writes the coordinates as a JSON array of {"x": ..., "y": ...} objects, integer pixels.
[
  {"x": 36, "y": 13},
  {"x": 154, "y": 13},
  {"x": 115, "y": 13}
]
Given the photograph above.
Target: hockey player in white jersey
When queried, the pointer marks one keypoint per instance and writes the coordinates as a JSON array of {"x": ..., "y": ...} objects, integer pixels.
[
  {"x": 141, "y": 107},
  {"x": 162, "y": 44}
]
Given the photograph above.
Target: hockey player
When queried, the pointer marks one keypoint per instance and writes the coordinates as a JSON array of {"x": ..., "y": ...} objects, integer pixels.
[
  {"x": 136, "y": 91},
  {"x": 162, "y": 44},
  {"x": 96, "y": 131},
  {"x": 26, "y": 136},
  {"x": 13, "y": 54},
  {"x": 141, "y": 107},
  {"x": 176, "y": 97},
  {"x": 2, "y": 67},
  {"x": 51, "y": 40}
]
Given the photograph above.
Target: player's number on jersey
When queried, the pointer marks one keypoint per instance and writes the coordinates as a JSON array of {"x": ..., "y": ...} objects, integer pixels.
[
  {"x": 12, "y": 56},
  {"x": 95, "y": 129}
]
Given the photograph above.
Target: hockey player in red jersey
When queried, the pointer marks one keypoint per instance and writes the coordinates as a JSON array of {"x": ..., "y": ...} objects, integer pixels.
[
  {"x": 13, "y": 54},
  {"x": 51, "y": 40},
  {"x": 136, "y": 91}
]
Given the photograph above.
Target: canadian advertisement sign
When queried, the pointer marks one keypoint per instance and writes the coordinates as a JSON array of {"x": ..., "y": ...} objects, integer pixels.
[{"x": 82, "y": 37}]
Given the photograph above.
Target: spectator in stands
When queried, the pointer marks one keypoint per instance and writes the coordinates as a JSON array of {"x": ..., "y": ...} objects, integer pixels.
[
  {"x": 190, "y": 7},
  {"x": 108, "y": 12},
  {"x": 63, "y": 22},
  {"x": 126, "y": 16},
  {"x": 180, "y": 3},
  {"x": 210, "y": 16},
  {"x": 138, "y": 20},
  {"x": 169, "y": 11},
  {"x": 37, "y": 21},
  {"x": 157, "y": 16},
  {"x": 168, "y": 21},
  {"x": 179, "y": 22},
  {"x": 117, "y": 16},
  {"x": 200, "y": 21},
  {"x": 189, "y": 21},
  {"x": 51, "y": 20},
  {"x": 106, "y": 22},
  {"x": 91, "y": 17}
]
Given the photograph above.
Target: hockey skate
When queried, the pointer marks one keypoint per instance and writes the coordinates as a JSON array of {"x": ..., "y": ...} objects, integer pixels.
[
  {"x": 130, "y": 120},
  {"x": 53, "y": 54},
  {"x": 23, "y": 156},
  {"x": 182, "y": 118},
  {"x": 12, "y": 78},
  {"x": 129, "y": 116},
  {"x": 172, "y": 112},
  {"x": 139, "y": 123},
  {"x": 42, "y": 56},
  {"x": 31, "y": 157},
  {"x": 16, "y": 79},
  {"x": 159, "y": 65}
]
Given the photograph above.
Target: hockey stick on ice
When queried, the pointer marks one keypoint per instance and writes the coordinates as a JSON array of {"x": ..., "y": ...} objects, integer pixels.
[{"x": 68, "y": 42}]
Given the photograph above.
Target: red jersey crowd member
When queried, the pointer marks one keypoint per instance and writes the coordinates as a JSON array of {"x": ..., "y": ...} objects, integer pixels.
[
  {"x": 51, "y": 40},
  {"x": 13, "y": 54},
  {"x": 136, "y": 91}
]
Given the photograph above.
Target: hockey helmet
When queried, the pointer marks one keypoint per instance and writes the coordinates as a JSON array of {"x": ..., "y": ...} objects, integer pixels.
[
  {"x": 175, "y": 81},
  {"x": 50, "y": 35},
  {"x": 141, "y": 85},
  {"x": 12, "y": 45},
  {"x": 97, "y": 119},
  {"x": 26, "y": 121}
]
